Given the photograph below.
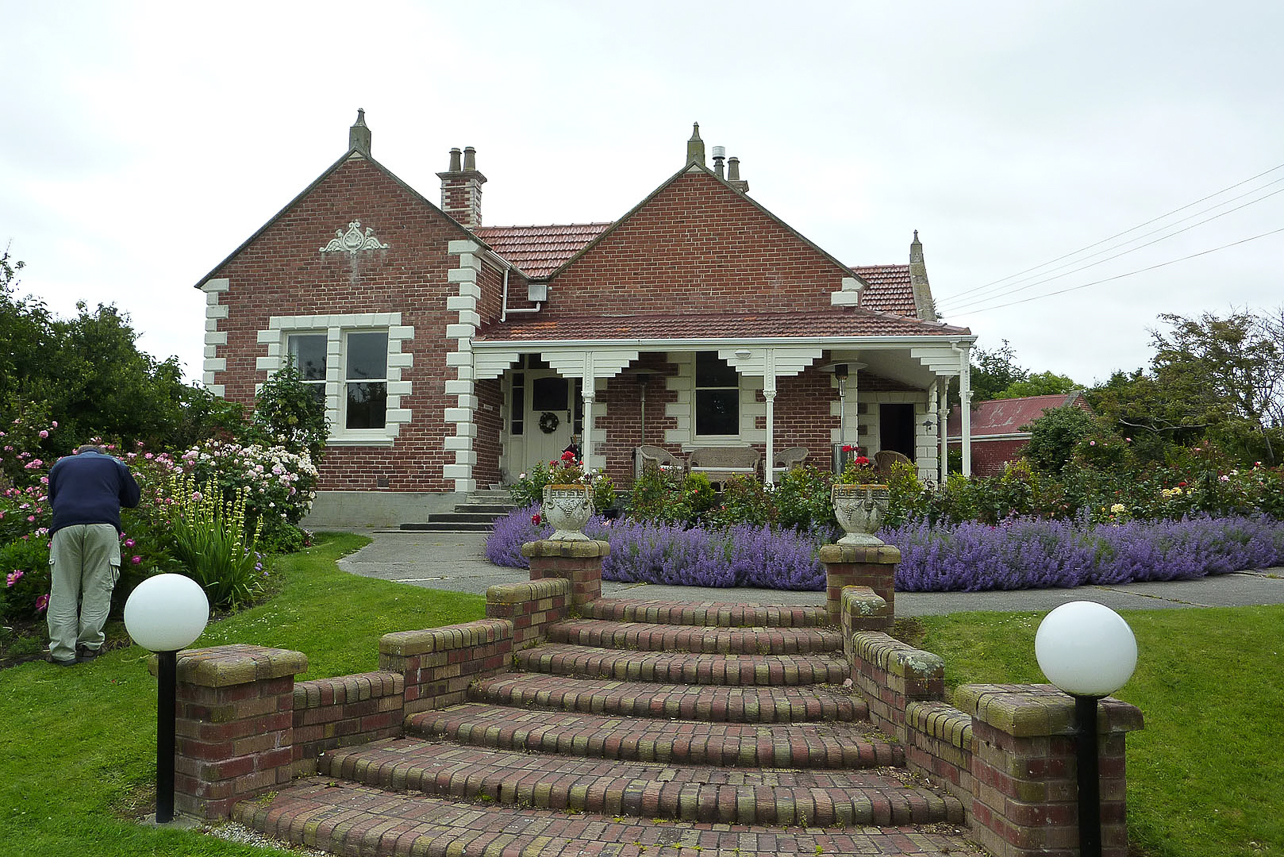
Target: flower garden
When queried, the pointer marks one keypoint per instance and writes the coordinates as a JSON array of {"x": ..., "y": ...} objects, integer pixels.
[
  {"x": 216, "y": 512},
  {"x": 1091, "y": 523}
]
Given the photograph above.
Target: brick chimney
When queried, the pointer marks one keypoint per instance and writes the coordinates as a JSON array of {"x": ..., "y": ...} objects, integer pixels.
[
  {"x": 359, "y": 134},
  {"x": 924, "y": 306},
  {"x": 461, "y": 188}
]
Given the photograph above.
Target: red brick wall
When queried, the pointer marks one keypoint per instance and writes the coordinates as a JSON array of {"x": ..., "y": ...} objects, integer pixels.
[
  {"x": 622, "y": 420},
  {"x": 696, "y": 246},
  {"x": 282, "y": 272},
  {"x": 990, "y": 456}
]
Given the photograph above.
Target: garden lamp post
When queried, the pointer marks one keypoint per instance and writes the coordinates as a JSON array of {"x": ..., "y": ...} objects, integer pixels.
[
  {"x": 1087, "y": 650},
  {"x": 166, "y": 613}
]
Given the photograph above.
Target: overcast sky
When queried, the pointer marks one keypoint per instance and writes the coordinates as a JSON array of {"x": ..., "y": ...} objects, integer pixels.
[{"x": 144, "y": 142}]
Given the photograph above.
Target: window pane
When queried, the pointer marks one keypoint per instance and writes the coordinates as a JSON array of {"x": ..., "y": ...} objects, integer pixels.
[
  {"x": 308, "y": 352},
  {"x": 549, "y": 394},
  {"x": 518, "y": 407},
  {"x": 367, "y": 405},
  {"x": 713, "y": 371},
  {"x": 717, "y": 412},
  {"x": 318, "y": 393},
  {"x": 367, "y": 356}
]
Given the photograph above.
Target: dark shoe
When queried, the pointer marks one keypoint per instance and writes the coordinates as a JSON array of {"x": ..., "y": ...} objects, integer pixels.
[
  {"x": 59, "y": 662},
  {"x": 84, "y": 653}
]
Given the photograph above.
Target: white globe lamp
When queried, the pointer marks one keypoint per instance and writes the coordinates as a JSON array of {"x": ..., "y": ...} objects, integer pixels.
[
  {"x": 166, "y": 613},
  {"x": 1087, "y": 650}
]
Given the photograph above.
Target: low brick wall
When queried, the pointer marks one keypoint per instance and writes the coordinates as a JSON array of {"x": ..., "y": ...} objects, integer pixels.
[
  {"x": 1006, "y": 751},
  {"x": 872, "y": 566},
  {"x": 577, "y": 562},
  {"x": 439, "y": 663},
  {"x": 530, "y": 607},
  {"x": 342, "y": 711}
]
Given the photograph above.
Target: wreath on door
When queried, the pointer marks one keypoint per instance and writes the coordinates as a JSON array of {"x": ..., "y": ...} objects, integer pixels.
[{"x": 548, "y": 422}]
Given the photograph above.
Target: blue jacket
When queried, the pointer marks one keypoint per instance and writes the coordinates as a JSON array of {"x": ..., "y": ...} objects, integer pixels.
[{"x": 90, "y": 488}]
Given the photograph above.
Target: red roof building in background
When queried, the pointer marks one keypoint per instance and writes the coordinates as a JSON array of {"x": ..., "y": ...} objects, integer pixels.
[
  {"x": 453, "y": 356},
  {"x": 1000, "y": 428}
]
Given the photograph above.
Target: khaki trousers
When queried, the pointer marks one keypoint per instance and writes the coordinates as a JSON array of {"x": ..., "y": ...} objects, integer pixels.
[{"x": 85, "y": 564}]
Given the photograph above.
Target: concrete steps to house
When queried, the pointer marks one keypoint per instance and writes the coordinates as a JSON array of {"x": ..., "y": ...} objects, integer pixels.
[
  {"x": 476, "y": 515},
  {"x": 639, "y": 722},
  {"x": 713, "y": 703}
]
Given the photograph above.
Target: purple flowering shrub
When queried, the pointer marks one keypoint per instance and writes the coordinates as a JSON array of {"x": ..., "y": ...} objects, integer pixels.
[
  {"x": 1017, "y": 553},
  {"x": 653, "y": 552}
]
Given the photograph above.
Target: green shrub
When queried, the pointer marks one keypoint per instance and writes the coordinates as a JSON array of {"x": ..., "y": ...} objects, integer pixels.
[
  {"x": 802, "y": 499},
  {"x": 288, "y": 413},
  {"x": 214, "y": 545},
  {"x": 1055, "y": 436},
  {"x": 744, "y": 500}
]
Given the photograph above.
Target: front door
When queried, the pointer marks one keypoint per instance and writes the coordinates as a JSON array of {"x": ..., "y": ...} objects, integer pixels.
[
  {"x": 896, "y": 428},
  {"x": 553, "y": 414}
]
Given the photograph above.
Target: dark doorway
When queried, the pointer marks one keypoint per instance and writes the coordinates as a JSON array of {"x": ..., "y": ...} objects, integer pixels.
[{"x": 896, "y": 429}]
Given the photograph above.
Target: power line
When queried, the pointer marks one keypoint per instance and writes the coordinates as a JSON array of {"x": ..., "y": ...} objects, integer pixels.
[
  {"x": 999, "y": 290},
  {"x": 967, "y": 304},
  {"x": 1125, "y": 232},
  {"x": 1130, "y": 273}
]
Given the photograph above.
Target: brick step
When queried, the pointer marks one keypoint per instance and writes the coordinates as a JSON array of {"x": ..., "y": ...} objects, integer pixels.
[
  {"x": 646, "y": 636},
  {"x": 495, "y": 510},
  {"x": 686, "y": 742},
  {"x": 713, "y": 614},
  {"x": 683, "y": 667},
  {"x": 714, "y": 703},
  {"x": 349, "y": 818},
  {"x": 841, "y": 798}
]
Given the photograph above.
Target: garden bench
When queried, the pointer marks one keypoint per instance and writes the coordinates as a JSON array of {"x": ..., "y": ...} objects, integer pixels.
[{"x": 720, "y": 463}]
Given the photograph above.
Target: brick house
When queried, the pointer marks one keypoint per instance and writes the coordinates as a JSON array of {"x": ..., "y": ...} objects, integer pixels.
[
  {"x": 998, "y": 428},
  {"x": 452, "y": 355}
]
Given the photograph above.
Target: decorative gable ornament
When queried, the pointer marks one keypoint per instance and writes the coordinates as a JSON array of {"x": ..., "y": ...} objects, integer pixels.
[{"x": 354, "y": 240}]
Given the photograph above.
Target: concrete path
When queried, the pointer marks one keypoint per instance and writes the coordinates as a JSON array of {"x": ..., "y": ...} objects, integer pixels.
[{"x": 456, "y": 562}]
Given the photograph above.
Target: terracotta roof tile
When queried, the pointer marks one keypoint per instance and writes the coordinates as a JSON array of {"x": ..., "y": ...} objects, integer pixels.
[
  {"x": 837, "y": 321},
  {"x": 1006, "y": 416},
  {"x": 889, "y": 288},
  {"x": 539, "y": 250}
]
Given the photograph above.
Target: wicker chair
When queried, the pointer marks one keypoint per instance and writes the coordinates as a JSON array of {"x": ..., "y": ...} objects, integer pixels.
[
  {"x": 787, "y": 459},
  {"x": 884, "y": 459}
]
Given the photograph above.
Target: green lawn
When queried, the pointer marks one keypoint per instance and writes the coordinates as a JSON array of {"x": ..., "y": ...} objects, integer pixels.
[
  {"x": 78, "y": 746},
  {"x": 1206, "y": 775}
]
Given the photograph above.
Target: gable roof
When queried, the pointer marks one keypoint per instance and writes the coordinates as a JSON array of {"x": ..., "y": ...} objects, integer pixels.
[
  {"x": 1007, "y": 416},
  {"x": 352, "y": 153},
  {"x": 688, "y": 168}
]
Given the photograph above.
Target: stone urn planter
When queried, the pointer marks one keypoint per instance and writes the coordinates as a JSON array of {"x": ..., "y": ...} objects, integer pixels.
[
  {"x": 568, "y": 508},
  {"x": 860, "y": 510}
]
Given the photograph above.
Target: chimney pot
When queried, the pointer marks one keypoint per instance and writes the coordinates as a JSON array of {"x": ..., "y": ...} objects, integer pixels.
[
  {"x": 454, "y": 160},
  {"x": 733, "y": 175},
  {"x": 470, "y": 158}
]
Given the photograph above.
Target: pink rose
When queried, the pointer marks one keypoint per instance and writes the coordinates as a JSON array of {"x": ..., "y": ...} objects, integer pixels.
[
  {"x": 42, "y": 603},
  {"x": 136, "y": 560},
  {"x": 43, "y": 434}
]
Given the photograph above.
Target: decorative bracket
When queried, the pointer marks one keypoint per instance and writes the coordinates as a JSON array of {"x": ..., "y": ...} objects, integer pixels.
[{"x": 353, "y": 241}]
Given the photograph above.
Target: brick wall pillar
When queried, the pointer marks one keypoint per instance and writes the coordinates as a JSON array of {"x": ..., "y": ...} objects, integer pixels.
[
  {"x": 859, "y": 565},
  {"x": 1025, "y": 795},
  {"x": 578, "y": 562},
  {"x": 234, "y": 732}
]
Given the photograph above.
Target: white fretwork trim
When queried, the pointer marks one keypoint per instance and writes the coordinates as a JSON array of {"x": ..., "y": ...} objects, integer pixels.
[{"x": 353, "y": 241}]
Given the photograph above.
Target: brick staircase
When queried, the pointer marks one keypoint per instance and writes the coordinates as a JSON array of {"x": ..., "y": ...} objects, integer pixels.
[{"x": 638, "y": 728}]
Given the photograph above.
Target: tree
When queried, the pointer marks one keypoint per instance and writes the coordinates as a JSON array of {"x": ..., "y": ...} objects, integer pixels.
[
  {"x": 1054, "y": 436},
  {"x": 1038, "y": 384},
  {"x": 1220, "y": 378},
  {"x": 287, "y": 412},
  {"x": 992, "y": 372}
]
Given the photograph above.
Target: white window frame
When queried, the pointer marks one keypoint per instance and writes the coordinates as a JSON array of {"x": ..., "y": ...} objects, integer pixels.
[{"x": 336, "y": 329}]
